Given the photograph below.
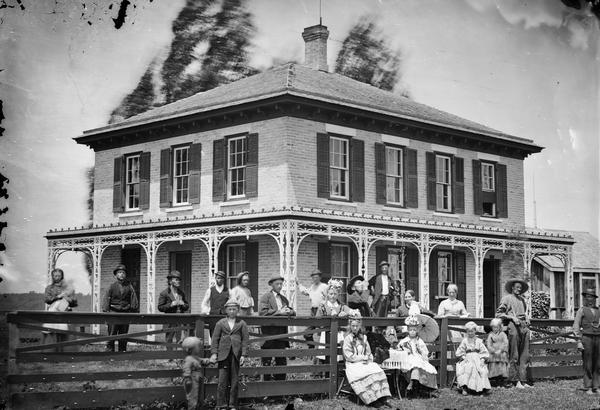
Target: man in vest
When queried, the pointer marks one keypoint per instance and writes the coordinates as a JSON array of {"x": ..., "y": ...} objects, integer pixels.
[
  {"x": 587, "y": 326},
  {"x": 172, "y": 300},
  {"x": 120, "y": 297},
  {"x": 215, "y": 298},
  {"x": 382, "y": 289}
]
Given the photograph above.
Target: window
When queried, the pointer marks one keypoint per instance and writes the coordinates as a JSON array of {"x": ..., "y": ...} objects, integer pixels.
[
  {"x": 236, "y": 262},
  {"x": 132, "y": 181},
  {"x": 587, "y": 281},
  {"x": 181, "y": 174},
  {"x": 237, "y": 154},
  {"x": 445, "y": 272},
  {"x": 394, "y": 178},
  {"x": 338, "y": 167},
  {"x": 443, "y": 184},
  {"x": 340, "y": 265},
  {"x": 487, "y": 177}
]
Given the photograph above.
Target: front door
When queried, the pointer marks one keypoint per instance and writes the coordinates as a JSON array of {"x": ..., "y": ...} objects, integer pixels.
[
  {"x": 182, "y": 262},
  {"x": 491, "y": 287}
]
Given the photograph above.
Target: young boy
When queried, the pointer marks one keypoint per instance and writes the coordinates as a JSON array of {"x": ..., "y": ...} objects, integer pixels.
[
  {"x": 192, "y": 366},
  {"x": 229, "y": 348}
]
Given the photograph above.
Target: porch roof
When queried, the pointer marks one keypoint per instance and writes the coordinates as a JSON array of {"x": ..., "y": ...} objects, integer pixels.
[
  {"x": 586, "y": 254},
  {"x": 312, "y": 214}
]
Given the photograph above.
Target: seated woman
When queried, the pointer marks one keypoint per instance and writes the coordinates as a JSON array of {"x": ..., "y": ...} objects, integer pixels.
[
  {"x": 417, "y": 357},
  {"x": 411, "y": 307},
  {"x": 366, "y": 378},
  {"x": 452, "y": 307},
  {"x": 358, "y": 297},
  {"x": 471, "y": 370}
]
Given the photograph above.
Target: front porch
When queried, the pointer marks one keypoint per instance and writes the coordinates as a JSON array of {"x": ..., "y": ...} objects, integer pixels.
[{"x": 288, "y": 242}]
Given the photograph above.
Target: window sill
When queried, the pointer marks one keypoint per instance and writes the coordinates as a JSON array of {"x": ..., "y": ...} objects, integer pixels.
[
  {"x": 490, "y": 219},
  {"x": 130, "y": 214},
  {"x": 455, "y": 216},
  {"x": 235, "y": 202},
  {"x": 343, "y": 202},
  {"x": 396, "y": 209},
  {"x": 180, "y": 208}
]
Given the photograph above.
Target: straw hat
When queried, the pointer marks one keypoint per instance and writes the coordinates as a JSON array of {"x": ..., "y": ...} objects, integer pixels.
[{"x": 509, "y": 285}]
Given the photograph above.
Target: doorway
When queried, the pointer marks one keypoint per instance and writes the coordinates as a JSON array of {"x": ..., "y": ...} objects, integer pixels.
[
  {"x": 182, "y": 262},
  {"x": 130, "y": 257},
  {"x": 491, "y": 286}
]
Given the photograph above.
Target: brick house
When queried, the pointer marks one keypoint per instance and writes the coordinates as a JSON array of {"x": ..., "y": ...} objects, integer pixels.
[{"x": 297, "y": 168}]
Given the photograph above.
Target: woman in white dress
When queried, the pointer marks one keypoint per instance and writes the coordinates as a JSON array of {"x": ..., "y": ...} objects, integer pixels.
[
  {"x": 471, "y": 370},
  {"x": 242, "y": 295},
  {"x": 367, "y": 379},
  {"x": 452, "y": 307}
]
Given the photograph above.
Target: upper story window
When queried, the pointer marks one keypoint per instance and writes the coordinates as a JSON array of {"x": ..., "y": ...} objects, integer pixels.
[
  {"x": 443, "y": 183},
  {"x": 132, "y": 182},
  {"x": 237, "y": 154},
  {"x": 394, "y": 175},
  {"x": 181, "y": 174},
  {"x": 338, "y": 167},
  {"x": 487, "y": 177}
]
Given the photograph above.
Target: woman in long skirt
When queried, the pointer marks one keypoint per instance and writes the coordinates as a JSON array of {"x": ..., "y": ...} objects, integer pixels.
[
  {"x": 472, "y": 371},
  {"x": 417, "y": 356},
  {"x": 366, "y": 378}
]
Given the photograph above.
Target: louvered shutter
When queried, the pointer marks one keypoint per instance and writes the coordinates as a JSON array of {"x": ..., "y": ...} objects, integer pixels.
[
  {"x": 357, "y": 167},
  {"x": 322, "y": 165},
  {"x": 431, "y": 180},
  {"x": 433, "y": 281},
  {"x": 195, "y": 173},
  {"x": 458, "y": 185},
  {"x": 477, "y": 193},
  {"x": 411, "y": 184},
  {"x": 252, "y": 167},
  {"x": 119, "y": 184},
  {"x": 324, "y": 260},
  {"x": 461, "y": 275},
  {"x": 219, "y": 168},
  {"x": 145, "y": 158},
  {"x": 501, "y": 191},
  {"x": 166, "y": 178},
  {"x": 411, "y": 266},
  {"x": 252, "y": 268},
  {"x": 380, "y": 178}
]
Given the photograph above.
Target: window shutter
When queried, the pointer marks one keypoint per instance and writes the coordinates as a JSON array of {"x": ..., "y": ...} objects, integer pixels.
[
  {"x": 166, "y": 178},
  {"x": 411, "y": 267},
  {"x": 433, "y": 281},
  {"x": 576, "y": 289},
  {"x": 145, "y": 158},
  {"x": 119, "y": 184},
  {"x": 477, "y": 193},
  {"x": 353, "y": 261},
  {"x": 252, "y": 167},
  {"x": 219, "y": 165},
  {"x": 252, "y": 268},
  {"x": 195, "y": 173},
  {"x": 323, "y": 166},
  {"x": 380, "y": 179},
  {"x": 324, "y": 260},
  {"x": 357, "y": 168},
  {"x": 411, "y": 184},
  {"x": 458, "y": 184},
  {"x": 461, "y": 275},
  {"x": 501, "y": 191},
  {"x": 431, "y": 180}
]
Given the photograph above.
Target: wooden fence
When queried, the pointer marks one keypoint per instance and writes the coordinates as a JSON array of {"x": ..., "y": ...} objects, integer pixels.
[{"x": 39, "y": 378}]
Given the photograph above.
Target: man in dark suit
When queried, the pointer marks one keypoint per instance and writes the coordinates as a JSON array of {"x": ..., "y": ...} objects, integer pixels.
[
  {"x": 120, "y": 297},
  {"x": 382, "y": 289},
  {"x": 172, "y": 300},
  {"x": 273, "y": 303}
]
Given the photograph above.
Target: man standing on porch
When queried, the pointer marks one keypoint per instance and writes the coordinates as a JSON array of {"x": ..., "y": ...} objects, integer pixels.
[
  {"x": 120, "y": 297},
  {"x": 172, "y": 300},
  {"x": 513, "y": 312},
  {"x": 382, "y": 289},
  {"x": 273, "y": 303},
  {"x": 215, "y": 298}
]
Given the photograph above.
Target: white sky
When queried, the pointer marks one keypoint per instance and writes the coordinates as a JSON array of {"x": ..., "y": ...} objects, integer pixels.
[{"x": 526, "y": 68}]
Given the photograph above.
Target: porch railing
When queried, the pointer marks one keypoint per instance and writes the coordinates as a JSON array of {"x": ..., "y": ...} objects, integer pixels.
[{"x": 148, "y": 371}]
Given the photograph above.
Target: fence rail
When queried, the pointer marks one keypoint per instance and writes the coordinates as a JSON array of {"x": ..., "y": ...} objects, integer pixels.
[{"x": 553, "y": 350}]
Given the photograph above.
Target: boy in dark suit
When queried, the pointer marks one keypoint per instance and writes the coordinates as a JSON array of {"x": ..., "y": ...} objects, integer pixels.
[
  {"x": 273, "y": 303},
  {"x": 229, "y": 347}
]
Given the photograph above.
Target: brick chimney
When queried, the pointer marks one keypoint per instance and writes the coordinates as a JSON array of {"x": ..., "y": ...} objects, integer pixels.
[{"x": 315, "y": 47}]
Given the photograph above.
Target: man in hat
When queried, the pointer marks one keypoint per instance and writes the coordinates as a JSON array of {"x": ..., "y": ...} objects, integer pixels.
[
  {"x": 382, "y": 289},
  {"x": 172, "y": 300},
  {"x": 273, "y": 303},
  {"x": 513, "y": 312},
  {"x": 120, "y": 297},
  {"x": 215, "y": 298},
  {"x": 587, "y": 327}
]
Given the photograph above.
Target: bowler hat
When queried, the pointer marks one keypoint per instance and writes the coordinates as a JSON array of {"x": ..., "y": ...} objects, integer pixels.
[
  {"x": 382, "y": 263},
  {"x": 352, "y": 281},
  {"x": 120, "y": 267},
  {"x": 221, "y": 274},
  {"x": 316, "y": 272},
  {"x": 589, "y": 292},
  {"x": 274, "y": 278},
  {"x": 509, "y": 285},
  {"x": 174, "y": 274}
]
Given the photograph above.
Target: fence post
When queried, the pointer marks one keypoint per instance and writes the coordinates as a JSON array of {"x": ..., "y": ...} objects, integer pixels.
[
  {"x": 333, "y": 371},
  {"x": 199, "y": 327},
  {"x": 13, "y": 342},
  {"x": 444, "y": 352}
]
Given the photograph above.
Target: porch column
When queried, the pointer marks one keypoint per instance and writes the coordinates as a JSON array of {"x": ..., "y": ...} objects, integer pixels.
[
  {"x": 212, "y": 245},
  {"x": 424, "y": 252},
  {"x": 95, "y": 253},
  {"x": 288, "y": 242},
  {"x": 362, "y": 245},
  {"x": 527, "y": 259},
  {"x": 150, "y": 247},
  {"x": 570, "y": 298},
  {"x": 479, "y": 255}
]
